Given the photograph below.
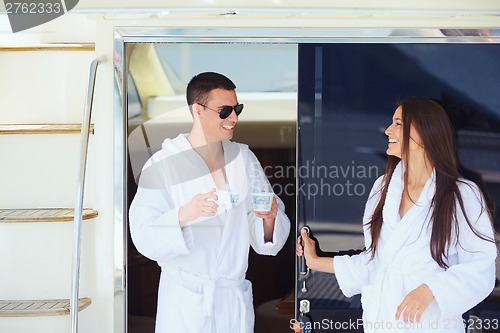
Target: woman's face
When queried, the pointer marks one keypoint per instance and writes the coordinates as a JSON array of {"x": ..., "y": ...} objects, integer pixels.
[{"x": 395, "y": 136}]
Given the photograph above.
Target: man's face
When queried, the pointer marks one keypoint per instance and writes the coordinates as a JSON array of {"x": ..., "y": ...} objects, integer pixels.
[{"x": 216, "y": 129}]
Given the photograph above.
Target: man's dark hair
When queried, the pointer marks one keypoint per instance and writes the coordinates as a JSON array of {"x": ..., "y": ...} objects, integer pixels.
[{"x": 200, "y": 86}]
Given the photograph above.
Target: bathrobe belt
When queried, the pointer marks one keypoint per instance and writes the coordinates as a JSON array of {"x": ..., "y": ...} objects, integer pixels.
[
  {"x": 380, "y": 279},
  {"x": 209, "y": 289}
]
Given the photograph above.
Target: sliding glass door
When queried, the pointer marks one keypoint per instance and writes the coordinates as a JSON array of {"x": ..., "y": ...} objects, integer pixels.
[{"x": 347, "y": 95}]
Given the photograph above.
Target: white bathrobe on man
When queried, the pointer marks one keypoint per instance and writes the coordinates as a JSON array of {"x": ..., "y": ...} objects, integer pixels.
[
  {"x": 202, "y": 284},
  {"x": 403, "y": 262}
]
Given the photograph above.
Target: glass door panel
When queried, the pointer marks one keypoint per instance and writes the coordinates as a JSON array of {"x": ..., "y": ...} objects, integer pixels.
[{"x": 347, "y": 95}]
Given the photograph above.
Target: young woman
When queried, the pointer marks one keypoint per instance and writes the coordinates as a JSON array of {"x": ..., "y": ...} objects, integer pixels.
[{"x": 428, "y": 233}]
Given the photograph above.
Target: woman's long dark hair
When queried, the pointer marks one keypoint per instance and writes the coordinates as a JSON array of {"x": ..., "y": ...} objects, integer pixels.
[{"x": 433, "y": 126}]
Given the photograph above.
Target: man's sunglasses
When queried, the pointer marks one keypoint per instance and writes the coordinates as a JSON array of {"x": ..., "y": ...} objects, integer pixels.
[{"x": 225, "y": 111}]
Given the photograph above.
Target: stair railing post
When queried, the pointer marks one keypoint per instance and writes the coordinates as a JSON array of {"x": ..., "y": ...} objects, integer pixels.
[{"x": 75, "y": 278}]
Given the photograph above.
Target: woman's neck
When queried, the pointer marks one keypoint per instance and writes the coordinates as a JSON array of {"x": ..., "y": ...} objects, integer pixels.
[{"x": 419, "y": 171}]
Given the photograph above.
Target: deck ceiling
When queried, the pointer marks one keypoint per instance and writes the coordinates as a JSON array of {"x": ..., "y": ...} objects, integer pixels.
[
  {"x": 392, "y": 14},
  {"x": 386, "y": 5}
]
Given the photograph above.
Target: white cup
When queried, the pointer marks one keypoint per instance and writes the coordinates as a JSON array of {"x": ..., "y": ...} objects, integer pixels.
[
  {"x": 262, "y": 201},
  {"x": 224, "y": 199}
]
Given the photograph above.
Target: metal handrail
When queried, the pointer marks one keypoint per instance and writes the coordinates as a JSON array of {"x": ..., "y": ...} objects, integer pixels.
[{"x": 75, "y": 281}]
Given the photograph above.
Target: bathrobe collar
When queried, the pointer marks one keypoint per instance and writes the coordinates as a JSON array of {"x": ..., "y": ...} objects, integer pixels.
[{"x": 395, "y": 230}]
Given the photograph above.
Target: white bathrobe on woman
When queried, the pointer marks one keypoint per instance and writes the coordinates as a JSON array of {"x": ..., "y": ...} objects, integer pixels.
[
  {"x": 202, "y": 284},
  {"x": 403, "y": 262}
]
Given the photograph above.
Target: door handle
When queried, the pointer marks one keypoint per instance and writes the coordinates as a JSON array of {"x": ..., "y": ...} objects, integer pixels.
[{"x": 303, "y": 269}]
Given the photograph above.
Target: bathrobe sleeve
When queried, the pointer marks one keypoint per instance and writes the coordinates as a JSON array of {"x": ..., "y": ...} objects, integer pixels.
[
  {"x": 354, "y": 272},
  {"x": 154, "y": 217},
  {"x": 258, "y": 181},
  {"x": 472, "y": 277}
]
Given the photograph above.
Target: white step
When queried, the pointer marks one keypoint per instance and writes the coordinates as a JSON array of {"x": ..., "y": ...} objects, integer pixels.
[
  {"x": 88, "y": 323},
  {"x": 42, "y": 170},
  {"x": 37, "y": 260},
  {"x": 46, "y": 324},
  {"x": 46, "y": 85}
]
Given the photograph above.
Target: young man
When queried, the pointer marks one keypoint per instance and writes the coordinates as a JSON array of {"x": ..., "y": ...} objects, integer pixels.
[{"x": 193, "y": 215}]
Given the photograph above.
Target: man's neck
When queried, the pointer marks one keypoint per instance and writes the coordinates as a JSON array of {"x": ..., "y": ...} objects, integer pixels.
[
  {"x": 209, "y": 151},
  {"x": 213, "y": 155}
]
